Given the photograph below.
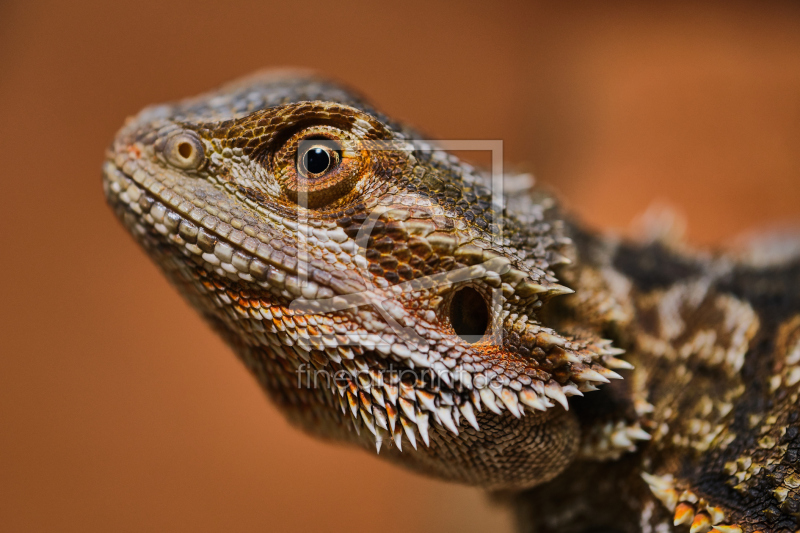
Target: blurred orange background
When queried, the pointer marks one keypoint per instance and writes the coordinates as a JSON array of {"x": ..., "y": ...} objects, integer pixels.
[{"x": 121, "y": 411}]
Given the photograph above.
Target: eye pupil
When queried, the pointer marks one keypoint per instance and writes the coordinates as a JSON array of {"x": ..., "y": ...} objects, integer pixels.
[
  {"x": 185, "y": 149},
  {"x": 469, "y": 314},
  {"x": 318, "y": 160}
]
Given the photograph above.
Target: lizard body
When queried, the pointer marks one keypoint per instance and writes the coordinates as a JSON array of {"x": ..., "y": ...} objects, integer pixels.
[{"x": 383, "y": 296}]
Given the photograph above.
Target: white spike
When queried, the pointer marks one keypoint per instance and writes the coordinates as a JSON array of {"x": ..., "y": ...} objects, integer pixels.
[
  {"x": 620, "y": 439},
  {"x": 353, "y": 402},
  {"x": 656, "y": 482},
  {"x": 643, "y": 407},
  {"x": 447, "y": 419},
  {"x": 553, "y": 390},
  {"x": 476, "y": 399},
  {"x": 445, "y": 375},
  {"x": 406, "y": 391},
  {"x": 391, "y": 393},
  {"x": 510, "y": 400},
  {"x": 391, "y": 412},
  {"x": 380, "y": 417},
  {"x": 380, "y": 436},
  {"x": 408, "y": 428},
  {"x": 531, "y": 399},
  {"x": 408, "y": 409},
  {"x": 607, "y": 373},
  {"x": 469, "y": 414},
  {"x": 368, "y": 421},
  {"x": 637, "y": 433},
  {"x": 725, "y": 528},
  {"x": 570, "y": 389},
  {"x": 611, "y": 350},
  {"x": 422, "y": 426},
  {"x": 446, "y": 398},
  {"x": 426, "y": 400},
  {"x": 398, "y": 438},
  {"x": 589, "y": 374},
  {"x": 465, "y": 378},
  {"x": 488, "y": 398},
  {"x": 377, "y": 395},
  {"x": 555, "y": 289},
  {"x": 619, "y": 364},
  {"x": 546, "y": 338}
]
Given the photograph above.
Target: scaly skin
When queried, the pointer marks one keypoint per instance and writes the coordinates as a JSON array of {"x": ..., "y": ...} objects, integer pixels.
[{"x": 350, "y": 286}]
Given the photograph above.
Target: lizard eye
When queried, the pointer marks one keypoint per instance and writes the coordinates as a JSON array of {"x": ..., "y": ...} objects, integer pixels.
[
  {"x": 319, "y": 165},
  {"x": 316, "y": 157},
  {"x": 184, "y": 150}
]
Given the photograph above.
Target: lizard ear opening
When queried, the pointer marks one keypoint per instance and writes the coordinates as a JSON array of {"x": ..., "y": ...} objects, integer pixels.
[{"x": 469, "y": 314}]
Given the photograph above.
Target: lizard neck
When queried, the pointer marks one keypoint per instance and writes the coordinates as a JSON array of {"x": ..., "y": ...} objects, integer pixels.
[
  {"x": 665, "y": 306},
  {"x": 715, "y": 344}
]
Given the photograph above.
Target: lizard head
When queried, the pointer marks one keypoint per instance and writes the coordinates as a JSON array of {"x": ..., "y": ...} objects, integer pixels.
[{"x": 382, "y": 291}]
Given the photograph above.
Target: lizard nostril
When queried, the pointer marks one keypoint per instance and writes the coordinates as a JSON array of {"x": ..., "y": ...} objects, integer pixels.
[
  {"x": 469, "y": 314},
  {"x": 184, "y": 150}
]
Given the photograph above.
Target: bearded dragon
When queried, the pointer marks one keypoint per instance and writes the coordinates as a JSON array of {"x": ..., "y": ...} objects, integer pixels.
[{"x": 387, "y": 294}]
